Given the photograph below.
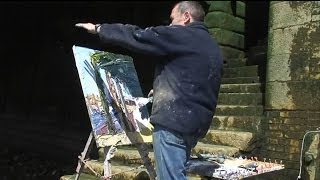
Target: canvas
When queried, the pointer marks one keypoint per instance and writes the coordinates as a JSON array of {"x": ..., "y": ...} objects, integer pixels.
[{"x": 113, "y": 96}]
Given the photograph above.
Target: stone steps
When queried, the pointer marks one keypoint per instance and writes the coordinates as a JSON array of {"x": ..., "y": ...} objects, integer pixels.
[
  {"x": 127, "y": 155},
  {"x": 241, "y": 88},
  {"x": 83, "y": 176},
  {"x": 245, "y": 71},
  {"x": 234, "y": 62},
  {"x": 204, "y": 148},
  {"x": 237, "y": 110},
  {"x": 237, "y": 123},
  {"x": 240, "y": 80},
  {"x": 238, "y": 139},
  {"x": 240, "y": 99},
  {"x": 119, "y": 171}
]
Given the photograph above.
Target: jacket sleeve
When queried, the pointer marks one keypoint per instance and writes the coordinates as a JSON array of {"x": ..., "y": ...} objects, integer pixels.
[{"x": 151, "y": 41}]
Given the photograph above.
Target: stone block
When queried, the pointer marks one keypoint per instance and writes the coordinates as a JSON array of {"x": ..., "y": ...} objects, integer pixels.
[
  {"x": 127, "y": 155},
  {"x": 294, "y": 67},
  {"x": 229, "y": 52},
  {"x": 299, "y": 38},
  {"x": 238, "y": 139},
  {"x": 215, "y": 149},
  {"x": 240, "y": 88},
  {"x": 235, "y": 62},
  {"x": 240, "y": 99},
  {"x": 281, "y": 40},
  {"x": 228, "y": 110},
  {"x": 289, "y": 13},
  {"x": 120, "y": 171},
  {"x": 277, "y": 96},
  {"x": 225, "y": 6},
  {"x": 278, "y": 68},
  {"x": 226, "y": 37},
  {"x": 294, "y": 53},
  {"x": 83, "y": 176},
  {"x": 300, "y": 95},
  {"x": 240, "y": 80},
  {"x": 224, "y": 21},
  {"x": 241, "y": 9},
  {"x": 245, "y": 71},
  {"x": 244, "y": 123}
]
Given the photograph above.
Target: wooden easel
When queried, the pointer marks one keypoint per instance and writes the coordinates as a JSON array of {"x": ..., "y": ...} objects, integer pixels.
[
  {"x": 110, "y": 150},
  {"x": 84, "y": 155}
]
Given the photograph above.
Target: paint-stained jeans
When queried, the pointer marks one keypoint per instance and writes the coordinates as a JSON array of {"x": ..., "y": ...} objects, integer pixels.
[{"x": 172, "y": 151}]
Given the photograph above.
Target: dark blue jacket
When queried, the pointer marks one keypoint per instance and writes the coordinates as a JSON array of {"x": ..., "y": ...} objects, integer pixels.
[{"x": 187, "y": 80}]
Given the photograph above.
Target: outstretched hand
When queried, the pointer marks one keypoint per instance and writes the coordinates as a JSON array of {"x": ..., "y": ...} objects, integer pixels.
[
  {"x": 150, "y": 93},
  {"x": 91, "y": 28}
]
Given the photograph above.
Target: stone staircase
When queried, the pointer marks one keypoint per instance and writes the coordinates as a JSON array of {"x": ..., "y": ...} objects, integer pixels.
[{"x": 236, "y": 124}]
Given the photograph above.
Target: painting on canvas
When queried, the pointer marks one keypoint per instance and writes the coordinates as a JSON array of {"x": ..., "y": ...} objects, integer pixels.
[{"x": 113, "y": 96}]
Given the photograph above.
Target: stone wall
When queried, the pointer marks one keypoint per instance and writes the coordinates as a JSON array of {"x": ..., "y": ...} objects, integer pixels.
[
  {"x": 293, "y": 86},
  {"x": 225, "y": 20}
]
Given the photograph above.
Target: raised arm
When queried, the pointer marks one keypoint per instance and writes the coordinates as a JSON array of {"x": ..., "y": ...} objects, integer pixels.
[{"x": 151, "y": 41}]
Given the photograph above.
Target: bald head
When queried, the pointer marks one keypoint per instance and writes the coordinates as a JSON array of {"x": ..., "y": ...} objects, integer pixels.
[{"x": 193, "y": 7}]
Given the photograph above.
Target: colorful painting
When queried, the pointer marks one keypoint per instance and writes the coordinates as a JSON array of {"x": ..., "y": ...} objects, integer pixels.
[{"x": 113, "y": 96}]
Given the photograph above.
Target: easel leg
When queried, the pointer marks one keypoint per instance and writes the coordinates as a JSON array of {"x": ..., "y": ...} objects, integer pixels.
[
  {"x": 84, "y": 155},
  {"x": 106, "y": 165},
  {"x": 109, "y": 152},
  {"x": 144, "y": 152}
]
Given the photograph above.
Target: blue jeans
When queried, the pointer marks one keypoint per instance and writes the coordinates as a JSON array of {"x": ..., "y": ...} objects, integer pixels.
[{"x": 171, "y": 151}]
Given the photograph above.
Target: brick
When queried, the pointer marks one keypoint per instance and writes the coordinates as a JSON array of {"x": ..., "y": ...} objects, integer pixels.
[
  {"x": 270, "y": 114},
  {"x": 292, "y": 164},
  {"x": 291, "y": 149},
  {"x": 273, "y": 141},
  {"x": 299, "y": 114},
  {"x": 279, "y": 149},
  {"x": 314, "y": 115},
  {"x": 275, "y": 120},
  {"x": 274, "y": 126},
  {"x": 294, "y": 134},
  {"x": 275, "y": 134},
  {"x": 295, "y": 143}
]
